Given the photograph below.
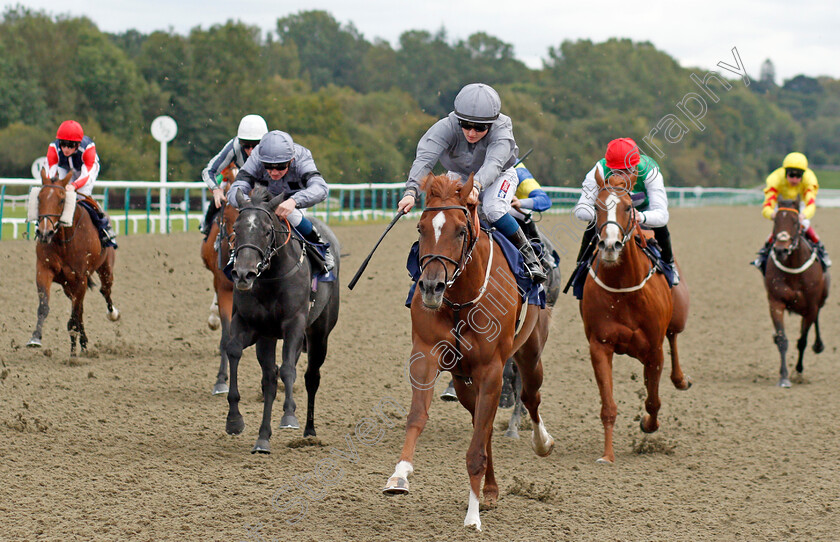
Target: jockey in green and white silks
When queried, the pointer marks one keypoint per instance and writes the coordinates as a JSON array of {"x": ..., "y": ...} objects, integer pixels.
[{"x": 649, "y": 196}]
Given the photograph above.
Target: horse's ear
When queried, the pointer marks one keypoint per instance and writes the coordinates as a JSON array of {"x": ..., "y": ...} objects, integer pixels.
[
  {"x": 66, "y": 179},
  {"x": 44, "y": 178},
  {"x": 241, "y": 199},
  {"x": 426, "y": 183},
  {"x": 276, "y": 200},
  {"x": 599, "y": 179},
  {"x": 466, "y": 189}
]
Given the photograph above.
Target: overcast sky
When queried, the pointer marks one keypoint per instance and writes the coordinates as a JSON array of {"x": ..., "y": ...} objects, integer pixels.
[{"x": 799, "y": 37}]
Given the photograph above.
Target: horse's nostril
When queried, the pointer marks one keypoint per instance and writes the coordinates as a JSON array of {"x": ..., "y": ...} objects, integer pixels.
[
  {"x": 439, "y": 288},
  {"x": 616, "y": 245},
  {"x": 601, "y": 245}
]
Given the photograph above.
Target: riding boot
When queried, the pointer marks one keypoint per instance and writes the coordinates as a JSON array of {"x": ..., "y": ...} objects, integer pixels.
[
  {"x": 209, "y": 215},
  {"x": 107, "y": 235},
  {"x": 760, "y": 261},
  {"x": 532, "y": 263},
  {"x": 587, "y": 247},
  {"x": 329, "y": 259},
  {"x": 530, "y": 229},
  {"x": 812, "y": 236},
  {"x": 663, "y": 237}
]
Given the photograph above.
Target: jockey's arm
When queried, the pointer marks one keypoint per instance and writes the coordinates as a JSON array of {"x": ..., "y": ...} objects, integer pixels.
[
  {"x": 52, "y": 161},
  {"x": 532, "y": 196},
  {"x": 217, "y": 164},
  {"x": 498, "y": 154},
  {"x": 656, "y": 214},
  {"x": 429, "y": 150},
  {"x": 315, "y": 192},
  {"x": 244, "y": 183},
  {"x": 771, "y": 192},
  {"x": 90, "y": 168},
  {"x": 810, "y": 187},
  {"x": 585, "y": 208}
]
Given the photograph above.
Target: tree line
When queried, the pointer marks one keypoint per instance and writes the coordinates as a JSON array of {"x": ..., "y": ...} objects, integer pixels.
[{"x": 361, "y": 106}]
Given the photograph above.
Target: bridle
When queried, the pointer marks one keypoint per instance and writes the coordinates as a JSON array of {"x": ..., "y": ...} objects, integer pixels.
[
  {"x": 466, "y": 248},
  {"x": 625, "y": 234},
  {"x": 795, "y": 244},
  {"x": 53, "y": 219},
  {"x": 267, "y": 253}
]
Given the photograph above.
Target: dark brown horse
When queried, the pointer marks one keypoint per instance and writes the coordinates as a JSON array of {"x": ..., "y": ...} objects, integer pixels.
[
  {"x": 464, "y": 316},
  {"x": 794, "y": 283},
  {"x": 629, "y": 309},
  {"x": 67, "y": 254},
  {"x": 215, "y": 252}
]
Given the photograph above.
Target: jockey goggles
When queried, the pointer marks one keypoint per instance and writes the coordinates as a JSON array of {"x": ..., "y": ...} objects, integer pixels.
[
  {"x": 280, "y": 166},
  {"x": 245, "y": 144},
  {"x": 791, "y": 172},
  {"x": 68, "y": 144},
  {"x": 478, "y": 127}
]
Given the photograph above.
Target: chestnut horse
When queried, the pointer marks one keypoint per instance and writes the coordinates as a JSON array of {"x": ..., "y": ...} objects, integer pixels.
[
  {"x": 215, "y": 252},
  {"x": 627, "y": 308},
  {"x": 67, "y": 253},
  {"x": 464, "y": 316},
  {"x": 794, "y": 283}
]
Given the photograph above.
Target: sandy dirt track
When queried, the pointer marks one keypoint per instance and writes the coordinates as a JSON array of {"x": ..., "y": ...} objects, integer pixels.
[{"x": 127, "y": 443}]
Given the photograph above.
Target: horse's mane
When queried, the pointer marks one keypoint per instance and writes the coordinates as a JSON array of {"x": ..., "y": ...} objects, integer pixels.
[
  {"x": 441, "y": 186},
  {"x": 260, "y": 194}
]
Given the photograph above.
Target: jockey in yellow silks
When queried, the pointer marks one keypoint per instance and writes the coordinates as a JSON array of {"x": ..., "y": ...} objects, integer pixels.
[{"x": 794, "y": 179}]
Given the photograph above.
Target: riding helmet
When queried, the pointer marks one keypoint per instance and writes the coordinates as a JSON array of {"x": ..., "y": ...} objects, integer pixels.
[
  {"x": 252, "y": 128},
  {"x": 70, "y": 130},
  {"x": 276, "y": 147},
  {"x": 478, "y": 102}
]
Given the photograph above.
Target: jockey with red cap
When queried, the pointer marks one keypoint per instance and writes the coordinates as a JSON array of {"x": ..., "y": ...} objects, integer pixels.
[
  {"x": 73, "y": 151},
  {"x": 644, "y": 180}
]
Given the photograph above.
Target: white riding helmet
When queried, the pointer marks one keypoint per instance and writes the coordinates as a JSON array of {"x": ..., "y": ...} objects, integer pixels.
[
  {"x": 478, "y": 102},
  {"x": 252, "y": 128},
  {"x": 276, "y": 147}
]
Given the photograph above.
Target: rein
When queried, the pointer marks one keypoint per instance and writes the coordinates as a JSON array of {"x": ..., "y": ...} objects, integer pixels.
[
  {"x": 273, "y": 248},
  {"x": 466, "y": 248},
  {"x": 798, "y": 233}
]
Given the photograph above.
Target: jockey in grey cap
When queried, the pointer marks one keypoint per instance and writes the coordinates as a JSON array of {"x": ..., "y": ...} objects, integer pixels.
[
  {"x": 284, "y": 166},
  {"x": 476, "y": 138}
]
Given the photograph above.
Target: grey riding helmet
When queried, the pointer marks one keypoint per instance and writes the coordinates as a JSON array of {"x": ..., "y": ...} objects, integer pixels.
[
  {"x": 276, "y": 147},
  {"x": 478, "y": 102}
]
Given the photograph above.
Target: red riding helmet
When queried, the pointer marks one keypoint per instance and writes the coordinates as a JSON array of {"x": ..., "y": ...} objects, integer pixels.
[
  {"x": 622, "y": 154},
  {"x": 70, "y": 130}
]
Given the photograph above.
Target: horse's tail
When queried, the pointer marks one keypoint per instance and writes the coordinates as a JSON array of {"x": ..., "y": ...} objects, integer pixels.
[{"x": 91, "y": 285}]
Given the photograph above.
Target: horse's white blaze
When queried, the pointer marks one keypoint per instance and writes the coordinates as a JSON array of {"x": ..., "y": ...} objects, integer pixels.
[
  {"x": 404, "y": 468},
  {"x": 252, "y": 222},
  {"x": 438, "y": 221},
  {"x": 612, "y": 232},
  {"x": 473, "y": 519}
]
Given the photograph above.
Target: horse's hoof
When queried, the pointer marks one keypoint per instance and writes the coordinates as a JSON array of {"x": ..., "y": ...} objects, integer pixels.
[
  {"x": 643, "y": 423},
  {"x": 114, "y": 315},
  {"x": 449, "y": 394},
  {"x": 34, "y": 343},
  {"x": 220, "y": 388},
  {"x": 543, "y": 450},
  {"x": 214, "y": 322},
  {"x": 235, "y": 426},
  {"x": 512, "y": 433},
  {"x": 289, "y": 422},
  {"x": 309, "y": 432},
  {"x": 818, "y": 348},
  {"x": 603, "y": 461},
  {"x": 686, "y": 383},
  {"x": 784, "y": 383},
  {"x": 262, "y": 446},
  {"x": 396, "y": 486}
]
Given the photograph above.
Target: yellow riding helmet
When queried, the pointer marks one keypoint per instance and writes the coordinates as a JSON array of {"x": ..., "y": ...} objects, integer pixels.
[{"x": 795, "y": 160}]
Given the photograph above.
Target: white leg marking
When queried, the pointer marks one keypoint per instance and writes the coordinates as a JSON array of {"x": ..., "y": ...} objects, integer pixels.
[
  {"x": 473, "y": 519},
  {"x": 404, "y": 468},
  {"x": 114, "y": 315},
  {"x": 541, "y": 440},
  {"x": 214, "y": 320},
  {"x": 438, "y": 221}
]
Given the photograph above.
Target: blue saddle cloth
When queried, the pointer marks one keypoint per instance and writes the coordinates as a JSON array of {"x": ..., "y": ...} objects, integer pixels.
[
  {"x": 533, "y": 294},
  {"x": 651, "y": 251},
  {"x": 321, "y": 248},
  {"x": 100, "y": 221}
]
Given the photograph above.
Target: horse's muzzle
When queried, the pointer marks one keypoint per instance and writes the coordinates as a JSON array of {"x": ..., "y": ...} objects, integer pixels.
[
  {"x": 431, "y": 292},
  {"x": 243, "y": 279}
]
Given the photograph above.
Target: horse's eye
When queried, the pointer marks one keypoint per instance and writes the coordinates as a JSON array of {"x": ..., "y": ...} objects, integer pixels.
[{"x": 462, "y": 232}]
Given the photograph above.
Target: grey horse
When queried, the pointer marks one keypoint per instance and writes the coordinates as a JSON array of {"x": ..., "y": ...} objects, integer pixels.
[{"x": 273, "y": 300}]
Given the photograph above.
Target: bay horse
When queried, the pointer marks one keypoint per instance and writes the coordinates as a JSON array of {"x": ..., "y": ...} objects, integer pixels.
[
  {"x": 629, "y": 309},
  {"x": 795, "y": 284},
  {"x": 463, "y": 319},
  {"x": 67, "y": 252},
  {"x": 271, "y": 300},
  {"x": 215, "y": 252}
]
